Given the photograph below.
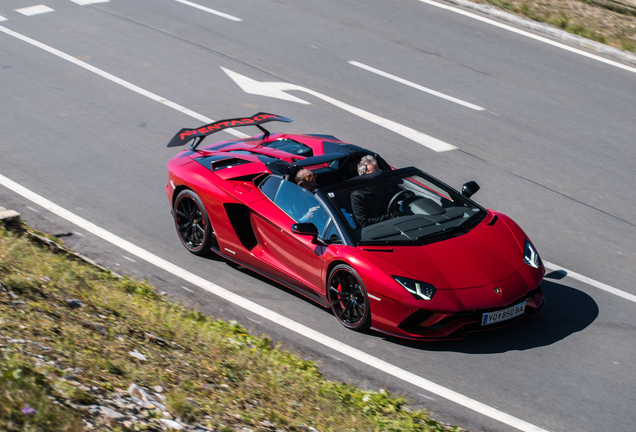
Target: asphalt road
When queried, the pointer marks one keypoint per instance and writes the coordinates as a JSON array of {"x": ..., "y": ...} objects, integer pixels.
[{"x": 553, "y": 148}]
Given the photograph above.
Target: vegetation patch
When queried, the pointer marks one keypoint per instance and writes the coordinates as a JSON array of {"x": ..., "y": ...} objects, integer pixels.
[
  {"x": 84, "y": 349},
  {"x": 605, "y": 21}
]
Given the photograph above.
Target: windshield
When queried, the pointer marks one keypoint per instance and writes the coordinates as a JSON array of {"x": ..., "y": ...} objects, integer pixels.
[{"x": 410, "y": 208}]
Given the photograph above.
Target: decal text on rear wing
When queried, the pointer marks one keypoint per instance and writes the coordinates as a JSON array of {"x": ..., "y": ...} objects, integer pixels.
[{"x": 184, "y": 136}]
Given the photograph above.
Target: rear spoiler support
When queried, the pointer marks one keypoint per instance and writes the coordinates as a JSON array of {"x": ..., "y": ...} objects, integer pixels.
[{"x": 265, "y": 131}]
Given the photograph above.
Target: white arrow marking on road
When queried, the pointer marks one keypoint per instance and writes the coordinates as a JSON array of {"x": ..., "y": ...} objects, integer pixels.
[
  {"x": 278, "y": 89},
  {"x": 270, "y": 89},
  {"x": 416, "y": 86}
]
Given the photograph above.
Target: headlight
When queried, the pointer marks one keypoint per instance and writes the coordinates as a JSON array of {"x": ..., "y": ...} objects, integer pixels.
[
  {"x": 420, "y": 290},
  {"x": 530, "y": 256}
]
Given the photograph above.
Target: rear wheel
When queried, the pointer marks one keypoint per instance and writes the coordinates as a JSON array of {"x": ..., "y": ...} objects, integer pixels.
[
  {"x": 348, "y": 298},
  {"x": 192, "y": 223}
]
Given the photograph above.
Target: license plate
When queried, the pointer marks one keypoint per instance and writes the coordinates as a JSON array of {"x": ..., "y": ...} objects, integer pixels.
[{"x": 502, "y": 315}]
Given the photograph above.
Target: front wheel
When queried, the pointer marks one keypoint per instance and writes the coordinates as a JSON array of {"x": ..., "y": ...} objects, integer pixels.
[
  {"x": 192, "y": 223},
  {"x": 348, "y": 298}
]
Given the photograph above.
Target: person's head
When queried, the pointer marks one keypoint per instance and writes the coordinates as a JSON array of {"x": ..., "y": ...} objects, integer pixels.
[
  {"x": 368, "y": 165},
  {"x": 307, "y": 179}
]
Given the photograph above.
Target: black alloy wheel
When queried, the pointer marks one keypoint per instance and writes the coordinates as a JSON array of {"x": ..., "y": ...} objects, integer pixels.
[
  {"x": 348, "y": 298},
  {"x": 192, "y": 223}
]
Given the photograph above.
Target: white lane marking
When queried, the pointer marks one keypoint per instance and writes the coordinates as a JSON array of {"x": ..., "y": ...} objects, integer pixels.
[
  {"x": 89, "y": 2},
  {"x": 215, "y": 289},
  {"x": 35, "y": 10},
  {"x": 116, "y": 80},
  {"x": 187, "y": 289},
  {"x": 129, "y": 259},
  {"x": 277, "y": 318},
  {"x": 277, "y": 90},
  {"x": 32, "y": 209},
  {"x": 530, "y": 35},
  {"x": 592, "y": 282},
  {"x": 416, "y": 86},
  {"x": 212, "y": 11},
  {"x": 2, "y": 18},
  {"x": 427, "y": 397}
]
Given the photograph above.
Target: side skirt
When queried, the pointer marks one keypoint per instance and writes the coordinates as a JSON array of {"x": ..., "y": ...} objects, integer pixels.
[{"x": 304, "y": 291}]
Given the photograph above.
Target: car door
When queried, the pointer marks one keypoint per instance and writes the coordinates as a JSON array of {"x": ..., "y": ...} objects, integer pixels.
[{"x": 288, "y": 203}]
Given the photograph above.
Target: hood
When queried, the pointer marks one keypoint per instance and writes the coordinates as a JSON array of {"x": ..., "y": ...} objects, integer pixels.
[{"x": 488, "y": 253}]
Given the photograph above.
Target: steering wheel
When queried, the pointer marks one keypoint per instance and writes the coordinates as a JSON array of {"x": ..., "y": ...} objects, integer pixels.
[{"x": 394, "y": 201}]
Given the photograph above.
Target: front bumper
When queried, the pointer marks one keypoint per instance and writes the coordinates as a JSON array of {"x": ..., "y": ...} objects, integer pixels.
[
  {"x": 429, "y": 325},
  {"x": 462, "y": 309}
]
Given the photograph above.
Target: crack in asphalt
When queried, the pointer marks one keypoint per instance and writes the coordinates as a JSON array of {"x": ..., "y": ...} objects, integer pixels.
[{"x": 573, "y": 199}]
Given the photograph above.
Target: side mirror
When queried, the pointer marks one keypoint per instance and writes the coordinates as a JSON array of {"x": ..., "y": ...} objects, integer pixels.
[
  {"x": 470, "y": 188},
  {"x": 305, "y": 228}
]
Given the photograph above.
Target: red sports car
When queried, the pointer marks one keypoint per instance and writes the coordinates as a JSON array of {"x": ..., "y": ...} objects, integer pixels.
[{"x": 396, "y": 250}]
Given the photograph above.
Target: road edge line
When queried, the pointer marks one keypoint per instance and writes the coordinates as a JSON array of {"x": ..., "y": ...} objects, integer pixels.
[
  {"x": 270, "y": 315},
  {"x": 596, "y": 284},
  {"x": 526, "y": 33}
]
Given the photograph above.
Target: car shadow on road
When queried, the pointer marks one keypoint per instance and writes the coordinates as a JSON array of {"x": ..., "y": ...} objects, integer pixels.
[{"x": 567, "y": 311}]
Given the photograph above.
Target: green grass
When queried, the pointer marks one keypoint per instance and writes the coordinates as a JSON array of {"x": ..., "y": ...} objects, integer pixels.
[
  {"x": 214, "y": 373},
  {"x": 580, "y": 25}
]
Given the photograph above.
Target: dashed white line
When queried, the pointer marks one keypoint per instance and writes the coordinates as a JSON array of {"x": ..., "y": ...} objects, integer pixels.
[
  {"x": 272, "y": 316},
  {"x": 206, "y": 9},
  {"x": 32, "y": 209},
  {"x": 2, "y": 18},
  {"x": 129, "y": 259},
  {"x": 187, "y": 289},
  {"x": 416, "y": 86},
  {"x": 34, "y": 10},
  {"x": 89, "y": 2},
  {"x": 117, "y": 80}
]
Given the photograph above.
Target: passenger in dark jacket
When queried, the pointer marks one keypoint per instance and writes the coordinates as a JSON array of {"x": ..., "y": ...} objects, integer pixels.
[{"x": 369, "y": 205}]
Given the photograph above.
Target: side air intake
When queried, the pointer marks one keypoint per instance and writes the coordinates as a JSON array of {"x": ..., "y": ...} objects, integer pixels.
[{"x": 239, "y": 216}]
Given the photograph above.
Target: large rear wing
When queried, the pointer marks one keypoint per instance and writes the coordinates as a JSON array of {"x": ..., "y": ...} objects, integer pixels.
[{"x": 184, "y": 136}]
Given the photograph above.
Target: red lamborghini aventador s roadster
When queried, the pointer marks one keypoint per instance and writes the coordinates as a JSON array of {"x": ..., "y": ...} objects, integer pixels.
[{"x": 397, "y": 251}]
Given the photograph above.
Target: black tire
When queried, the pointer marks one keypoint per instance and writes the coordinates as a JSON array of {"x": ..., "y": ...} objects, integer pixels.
[
  {"x": 348, "y": 298},
  {"x": 192, "y": 223}
]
